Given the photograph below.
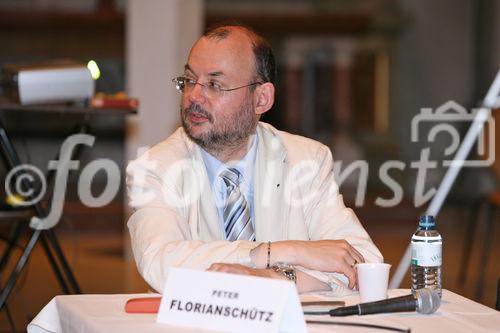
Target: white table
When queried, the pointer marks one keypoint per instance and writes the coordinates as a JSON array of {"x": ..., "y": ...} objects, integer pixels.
[{"x": 105, "y": 313}]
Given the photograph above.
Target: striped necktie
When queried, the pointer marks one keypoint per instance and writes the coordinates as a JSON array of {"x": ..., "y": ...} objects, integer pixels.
[{"x": 237, "y": 217}]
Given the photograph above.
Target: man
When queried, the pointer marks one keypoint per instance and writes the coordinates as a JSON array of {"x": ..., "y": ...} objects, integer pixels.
[{"x": 228, "y": 193}]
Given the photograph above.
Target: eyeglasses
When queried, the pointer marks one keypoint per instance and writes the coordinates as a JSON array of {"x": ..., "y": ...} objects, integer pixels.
[{"x": 210, "y": 89}]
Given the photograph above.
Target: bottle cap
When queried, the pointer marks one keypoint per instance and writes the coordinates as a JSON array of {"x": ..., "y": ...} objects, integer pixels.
[{"x": 427, "y": 221}]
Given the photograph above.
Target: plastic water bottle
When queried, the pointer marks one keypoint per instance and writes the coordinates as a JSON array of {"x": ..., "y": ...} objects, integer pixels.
[{"x": 426, "y": 249}]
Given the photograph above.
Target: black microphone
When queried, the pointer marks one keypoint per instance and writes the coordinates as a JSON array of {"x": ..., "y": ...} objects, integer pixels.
[{"x": 425, "y": 301}]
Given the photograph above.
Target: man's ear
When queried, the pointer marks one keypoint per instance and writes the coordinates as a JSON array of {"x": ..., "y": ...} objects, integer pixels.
[{"x": 263, "y": 97}]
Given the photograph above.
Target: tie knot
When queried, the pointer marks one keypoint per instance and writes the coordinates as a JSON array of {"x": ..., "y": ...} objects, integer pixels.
[{"x": 231, "y": 177}]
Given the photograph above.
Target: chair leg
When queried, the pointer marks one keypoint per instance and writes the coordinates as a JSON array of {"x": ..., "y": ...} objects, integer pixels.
[
  {"x": 5, "y": 292},
  {"x": 63, "y": 261},
  {"x": 488, "y": 229},
  {"x": 53, "y": 263},
  {"x": 469, "y": 238},
  {"x": 497, "y": 306},
  {"x": 10, "y": 319},
  {"x": 12, "y": 242}
]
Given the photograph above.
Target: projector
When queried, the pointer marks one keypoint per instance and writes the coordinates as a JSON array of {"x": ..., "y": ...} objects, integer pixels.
[{"x": 50, "y": 82}]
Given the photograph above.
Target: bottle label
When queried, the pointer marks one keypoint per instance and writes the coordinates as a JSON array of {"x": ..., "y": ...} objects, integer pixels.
[{"x": 426, "y": 254}]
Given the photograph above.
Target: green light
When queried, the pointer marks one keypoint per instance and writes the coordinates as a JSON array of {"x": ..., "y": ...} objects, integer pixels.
[{"x": 94, "y": 69}]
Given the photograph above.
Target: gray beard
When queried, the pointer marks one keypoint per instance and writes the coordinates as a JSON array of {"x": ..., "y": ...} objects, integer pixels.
[{"x": 231, "y": 136}]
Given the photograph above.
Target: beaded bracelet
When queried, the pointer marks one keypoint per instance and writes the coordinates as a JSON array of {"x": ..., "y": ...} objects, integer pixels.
[{"x": 268, "y": 255}]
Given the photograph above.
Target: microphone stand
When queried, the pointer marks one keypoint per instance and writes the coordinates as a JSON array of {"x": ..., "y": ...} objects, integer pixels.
[{"x": 490, "y": 101}]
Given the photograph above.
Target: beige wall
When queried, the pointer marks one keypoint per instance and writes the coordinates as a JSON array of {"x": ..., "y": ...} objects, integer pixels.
[{"x": 159, "y": 34}]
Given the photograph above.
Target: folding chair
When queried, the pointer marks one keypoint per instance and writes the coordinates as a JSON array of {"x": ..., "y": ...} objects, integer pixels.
[{"x": 46, "y": 237}]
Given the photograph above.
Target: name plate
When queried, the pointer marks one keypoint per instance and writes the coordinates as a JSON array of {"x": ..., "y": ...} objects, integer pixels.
[{"x": 230, "y": 302}]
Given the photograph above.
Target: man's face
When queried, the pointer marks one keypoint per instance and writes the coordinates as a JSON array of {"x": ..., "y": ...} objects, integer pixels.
[{"x": 228, "y": 118}]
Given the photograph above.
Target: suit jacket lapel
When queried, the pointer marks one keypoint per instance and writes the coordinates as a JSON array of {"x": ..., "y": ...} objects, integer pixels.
[{"x": 270, "y": 170}]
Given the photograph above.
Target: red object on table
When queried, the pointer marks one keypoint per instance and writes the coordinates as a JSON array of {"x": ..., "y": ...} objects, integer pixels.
[
  {"x": 110, "y": 102},
  {"x": 143, "y": 305}
]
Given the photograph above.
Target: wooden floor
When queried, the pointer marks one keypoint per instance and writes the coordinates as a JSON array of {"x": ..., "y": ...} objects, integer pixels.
[{"x": 102, "y": 265}]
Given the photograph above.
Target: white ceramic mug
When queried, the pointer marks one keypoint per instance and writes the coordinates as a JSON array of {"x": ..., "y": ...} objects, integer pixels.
[{"x": 372, "y": 281}]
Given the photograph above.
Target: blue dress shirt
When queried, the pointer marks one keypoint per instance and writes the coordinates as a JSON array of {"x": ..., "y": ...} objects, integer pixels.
[{"x": 245, "y": 167}]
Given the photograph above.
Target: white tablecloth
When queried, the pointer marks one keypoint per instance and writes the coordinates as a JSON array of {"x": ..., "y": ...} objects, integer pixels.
[{"x": 105, "y": 313}]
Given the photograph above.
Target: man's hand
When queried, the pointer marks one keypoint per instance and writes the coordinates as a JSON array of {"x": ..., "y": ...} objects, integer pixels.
[{"x": 336, "y": 256}]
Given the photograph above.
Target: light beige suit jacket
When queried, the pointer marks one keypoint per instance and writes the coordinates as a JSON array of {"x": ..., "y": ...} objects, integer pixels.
[{"x": 176, "y": 223}]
